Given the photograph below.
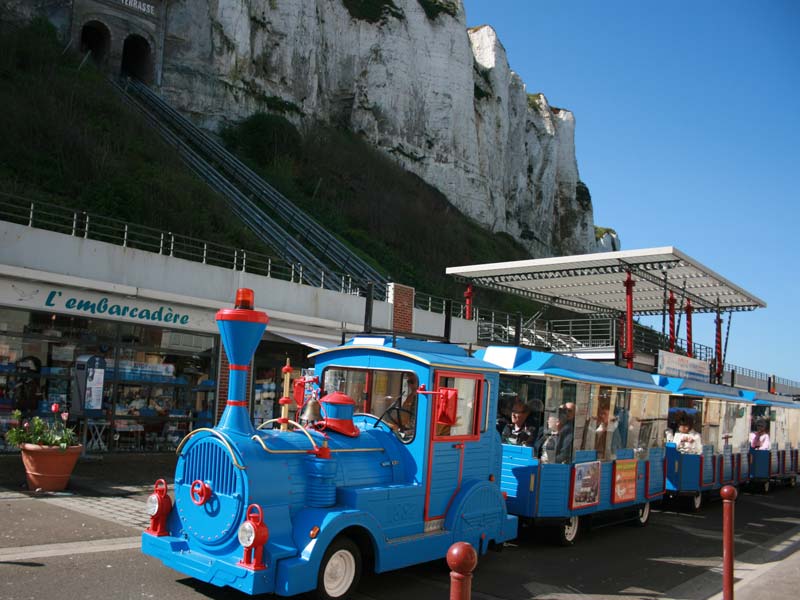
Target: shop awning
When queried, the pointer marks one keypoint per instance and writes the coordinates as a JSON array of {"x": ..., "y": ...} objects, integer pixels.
[
  {"x": 309, "y": 340},
  {"x": 595, "y": 283}
]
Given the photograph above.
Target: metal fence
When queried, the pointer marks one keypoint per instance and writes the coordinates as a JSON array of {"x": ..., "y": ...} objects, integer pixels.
[
  {"x": 85, "y": 225},
  {"x": 493, "y": 327}
]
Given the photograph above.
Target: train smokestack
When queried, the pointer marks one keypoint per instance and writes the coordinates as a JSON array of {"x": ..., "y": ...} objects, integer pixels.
[{"x": 241, "y": 329}]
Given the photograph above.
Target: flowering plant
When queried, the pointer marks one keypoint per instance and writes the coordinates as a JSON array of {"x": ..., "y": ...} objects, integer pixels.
[{"x": 45, "y": 432}]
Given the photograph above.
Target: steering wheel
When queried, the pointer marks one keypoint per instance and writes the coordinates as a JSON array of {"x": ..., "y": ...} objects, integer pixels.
[
  {"x": 397, "y": 410},
  {"x": 370, "y": 415}
]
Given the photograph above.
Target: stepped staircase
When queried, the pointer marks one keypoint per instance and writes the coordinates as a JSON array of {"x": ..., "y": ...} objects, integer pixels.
[{"x": 324, "y": 260}]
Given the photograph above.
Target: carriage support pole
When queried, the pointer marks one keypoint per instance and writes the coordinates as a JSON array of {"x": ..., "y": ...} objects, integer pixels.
[
  {"x": 728, "y": 494},
  {"x": 629, "y": 352}
]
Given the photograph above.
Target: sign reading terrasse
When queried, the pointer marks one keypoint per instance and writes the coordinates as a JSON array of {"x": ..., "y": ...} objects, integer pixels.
[
  {"x": 142, "y": 7},
  {"x": 114, "y": 307},
  {"x": 676, "y": 365}
]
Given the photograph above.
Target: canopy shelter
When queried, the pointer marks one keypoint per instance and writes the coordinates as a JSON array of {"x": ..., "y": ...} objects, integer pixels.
[{"x": 603, "y": 284}]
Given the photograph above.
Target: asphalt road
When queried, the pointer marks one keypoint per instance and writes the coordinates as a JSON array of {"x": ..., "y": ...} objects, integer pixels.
[{"x": 80, "y": 546}]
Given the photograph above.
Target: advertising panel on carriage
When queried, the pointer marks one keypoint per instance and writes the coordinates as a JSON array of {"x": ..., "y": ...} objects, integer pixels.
[
  {"x": 625, "y": 475},
  {"x": 585, "y": 488}
]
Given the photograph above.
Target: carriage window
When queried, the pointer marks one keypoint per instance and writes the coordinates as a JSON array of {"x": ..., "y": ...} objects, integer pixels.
[
  {"x": 388, "y": 396},
  {"x": 467, "y": 408},
  {"x": 642, "y": 426},
  {"x": 526, "y": 391},
  {"x": 683, "y": 409}
]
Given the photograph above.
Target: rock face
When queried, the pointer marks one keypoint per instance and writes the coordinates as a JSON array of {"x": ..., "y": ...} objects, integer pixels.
[
  {"x": 409, "y": 77},
  {"x": 405, "y": 74}
]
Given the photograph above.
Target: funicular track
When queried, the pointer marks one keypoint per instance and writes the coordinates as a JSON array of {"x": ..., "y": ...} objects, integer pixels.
[{"x": 298, "y": 235}]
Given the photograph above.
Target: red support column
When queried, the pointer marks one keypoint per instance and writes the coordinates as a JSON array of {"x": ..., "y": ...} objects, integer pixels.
[
  {"x": 689, "y": 345},
  {"x": 728, "y": 494},
  {"x": 462, "y": 560},
  {"x": 671, "y": 322},
  {"x": 718, "y": 350},
  {"x": 629, "y": 283},
  {"x": 468, "y": 301}
]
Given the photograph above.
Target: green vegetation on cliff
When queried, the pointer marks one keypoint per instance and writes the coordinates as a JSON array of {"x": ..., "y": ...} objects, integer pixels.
[{"x": 70, "y": 140}]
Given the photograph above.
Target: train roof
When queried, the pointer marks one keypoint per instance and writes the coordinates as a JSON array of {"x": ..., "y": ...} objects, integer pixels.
[
  {"x": 523, "y": 361},
  {"x": 425, "y": 352},
  {"x": 765, "y": 398},
  {"x": 688, "y": 387}
]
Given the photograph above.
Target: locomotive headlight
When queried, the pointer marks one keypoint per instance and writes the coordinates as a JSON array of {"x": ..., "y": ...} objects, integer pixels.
[
  {"x": 247, "y": 534},
  {"x": 158, "y": 506},
  {"x": 152, "y": 505},
  {"x": 253, "y": 534}
]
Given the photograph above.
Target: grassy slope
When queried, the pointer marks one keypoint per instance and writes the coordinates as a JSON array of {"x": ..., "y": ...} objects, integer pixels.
[{"x": 69, "y": 140}]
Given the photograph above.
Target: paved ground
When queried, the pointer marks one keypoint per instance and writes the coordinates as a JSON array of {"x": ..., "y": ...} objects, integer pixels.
[{"x": 85, "y": 543}]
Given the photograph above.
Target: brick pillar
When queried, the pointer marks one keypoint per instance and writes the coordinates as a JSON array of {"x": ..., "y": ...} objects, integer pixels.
[
  {"x": 222, "y": 385},
  {"x": 401, "y": 297}
]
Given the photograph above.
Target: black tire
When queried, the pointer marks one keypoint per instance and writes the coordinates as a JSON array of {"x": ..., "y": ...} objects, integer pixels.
[
  {"x": 339, "y": 571},
  {"x": 696, "y": 502},
  {"x": 567, "y": 532},
  {"x": 642, "y": 517}
]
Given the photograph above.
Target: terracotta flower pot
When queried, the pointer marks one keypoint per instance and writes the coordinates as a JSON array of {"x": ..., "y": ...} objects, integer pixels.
[{"x": 49, "y": 467}]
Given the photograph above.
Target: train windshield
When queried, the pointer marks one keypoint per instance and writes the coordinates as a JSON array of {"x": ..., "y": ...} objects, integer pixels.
[{"x": 388, "y": 396}]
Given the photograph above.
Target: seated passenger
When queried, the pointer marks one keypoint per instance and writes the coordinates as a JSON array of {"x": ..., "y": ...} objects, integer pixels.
[
  {"x": 759, "y": 439},
  {"x": 522, "y": 430},
  {"x": 546, "y": 442},
  {"x": 686, "y": 439},
  {"x": 564, "y": 439}
]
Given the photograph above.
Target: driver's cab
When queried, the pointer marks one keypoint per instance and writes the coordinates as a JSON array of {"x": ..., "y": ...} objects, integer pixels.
[{"x": 385, "y": 396}]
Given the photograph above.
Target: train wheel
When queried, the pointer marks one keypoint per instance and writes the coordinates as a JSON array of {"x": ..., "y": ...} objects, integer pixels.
[
  {"x": 340, "y": 570},
  {"x": 643, "y": 515},
  {"x": 765, "y": 487},
  {"x": 696, "y": 502},
  {"x": 567, "y": 532}
]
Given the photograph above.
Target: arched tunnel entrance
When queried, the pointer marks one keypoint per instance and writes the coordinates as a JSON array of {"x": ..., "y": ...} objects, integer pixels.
[
  {"x": 137, "y": 59},
  {"x": 96, "y": 37}
]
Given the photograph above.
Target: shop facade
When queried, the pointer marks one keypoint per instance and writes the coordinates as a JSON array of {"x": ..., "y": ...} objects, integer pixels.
[{"x": 158, "y": 361}]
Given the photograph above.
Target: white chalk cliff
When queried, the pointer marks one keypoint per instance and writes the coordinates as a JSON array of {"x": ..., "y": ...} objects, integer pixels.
[{"x": 439, "y": 99}]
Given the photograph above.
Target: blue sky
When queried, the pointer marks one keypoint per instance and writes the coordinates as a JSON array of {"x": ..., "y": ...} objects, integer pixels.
[{"x": 687, "y": 131}]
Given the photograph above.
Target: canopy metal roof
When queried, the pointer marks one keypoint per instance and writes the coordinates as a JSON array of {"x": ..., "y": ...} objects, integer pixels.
[{"x": 595, "y": 283}]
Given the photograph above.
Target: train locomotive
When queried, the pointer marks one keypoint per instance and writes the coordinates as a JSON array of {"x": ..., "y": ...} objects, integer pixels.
[{"x": 402, "y": 462}]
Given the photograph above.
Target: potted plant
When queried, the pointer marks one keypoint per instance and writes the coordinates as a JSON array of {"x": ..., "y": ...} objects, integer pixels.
[{"x": 49, "y": 449}]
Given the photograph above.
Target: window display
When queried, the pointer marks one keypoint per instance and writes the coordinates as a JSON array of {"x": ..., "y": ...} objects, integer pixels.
[{"x": 157, "y": 384}]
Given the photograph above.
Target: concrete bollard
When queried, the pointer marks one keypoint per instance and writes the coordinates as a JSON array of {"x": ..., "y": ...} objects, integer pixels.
[
  {"x": 728, "y": 494},
  {"x": 462, "y": 560}
]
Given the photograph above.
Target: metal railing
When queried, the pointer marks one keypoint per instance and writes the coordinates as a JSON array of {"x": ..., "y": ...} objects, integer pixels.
[
  {"x": 77, "y": 223},
  {"x": 310, "y": 233},
  {"x": 265, "y": 228},
  {"x": 493, "y": 327}
]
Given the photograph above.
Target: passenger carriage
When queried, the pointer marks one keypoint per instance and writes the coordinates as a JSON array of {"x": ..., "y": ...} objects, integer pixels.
[
  {"x": 721, "y": 415},
  {"x": 615, "y": 460},
  {"x": 780, "y": 462}
]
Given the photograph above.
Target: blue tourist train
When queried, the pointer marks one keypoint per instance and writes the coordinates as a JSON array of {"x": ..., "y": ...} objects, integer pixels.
[{"x": 402, "y": 447}]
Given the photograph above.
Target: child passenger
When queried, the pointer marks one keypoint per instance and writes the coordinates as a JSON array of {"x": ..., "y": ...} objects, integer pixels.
[{"x": 686, "y": 439}]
